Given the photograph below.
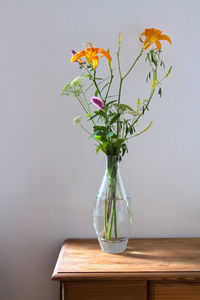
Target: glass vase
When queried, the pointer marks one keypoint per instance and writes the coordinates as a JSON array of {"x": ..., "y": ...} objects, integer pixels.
[{"x": 112, "y": 211}]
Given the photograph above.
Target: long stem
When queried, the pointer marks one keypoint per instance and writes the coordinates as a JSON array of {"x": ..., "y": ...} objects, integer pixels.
[
  {"x": 88, "y": 107},
  {"x": 118, "y": 102},
  {"x": 83, "y": 106},
  {"x": 115, "y": 217},
  {"x": 111, "y": 78},
  {"x": 112, "y": 176},
  {"x": 134, "y": 63},
  {"x": 86, "y": 102},
  {"x": 96, "y": 85},
  {"x": 84, "y": 129},
  {"x": 111, "y": 223},
  {"x": 106, "y": 219},
  {"x": 123, "y": 77},
  {"x": 120, "y": 84},
  {"x": 126, "y": 200},
  {"x": 149, "y": 100}
]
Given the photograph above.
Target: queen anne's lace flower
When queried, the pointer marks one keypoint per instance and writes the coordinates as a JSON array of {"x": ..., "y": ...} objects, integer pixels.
[
  {"x": 75, "y": 87},
  {"x": 77, "y": 120}
]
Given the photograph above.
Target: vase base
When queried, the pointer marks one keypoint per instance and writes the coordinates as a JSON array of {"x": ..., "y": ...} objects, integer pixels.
[{"x": 114, "y": 246}]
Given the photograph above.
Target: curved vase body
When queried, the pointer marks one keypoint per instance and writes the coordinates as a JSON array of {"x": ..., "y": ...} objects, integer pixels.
[{"x": 112, "y": 211}]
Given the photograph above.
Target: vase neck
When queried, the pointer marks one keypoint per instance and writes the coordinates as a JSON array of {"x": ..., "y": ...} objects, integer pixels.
[{"x": 112, "y": 162}]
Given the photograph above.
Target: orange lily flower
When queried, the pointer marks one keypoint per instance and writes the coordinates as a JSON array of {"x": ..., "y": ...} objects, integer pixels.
[
  {"x": 91, "y": 54},
  {"x": 154, "y": 36}
]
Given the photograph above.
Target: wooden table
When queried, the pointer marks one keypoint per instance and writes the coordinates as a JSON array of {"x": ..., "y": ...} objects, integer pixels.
[{"x": 150, "y": 269}]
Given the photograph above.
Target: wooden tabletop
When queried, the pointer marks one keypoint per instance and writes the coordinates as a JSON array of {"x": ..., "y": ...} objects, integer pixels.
[{"x": 83, "y": 257}]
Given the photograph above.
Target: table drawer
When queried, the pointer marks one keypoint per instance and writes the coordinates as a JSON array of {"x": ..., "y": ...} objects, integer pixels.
[
  {"x": 104, "y": 290},
  {"x": 175, "y": 291}
]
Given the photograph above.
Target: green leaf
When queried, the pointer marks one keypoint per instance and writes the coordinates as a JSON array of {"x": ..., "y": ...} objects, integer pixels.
[
  {"x": 148, "y": 76},
  {"x": 109, "y": 134},
  {"x": 99, "y": 128},
  {"x": 138, "y": 105},
  {"x": 98, "y": 113},
  {"x": 89, "y": 76},
  {"x": 113, "y": 96},
  {"x": 96, "y": 93},
  {"x": 101, "y": 139},
  {"x": 104, "y": 147},
  {"x": 101, "y": 113},
  {"x": 147, "y": 128},
  {"x": 97, "y": 149},
  {"x": 131, "y": 130},
  {"x": 92, "y": 117},
  {"x": 124, "y": 148},
  {"x": 93, "y": 134},
  {"x": 111, "y": 102},
  {"x": 168, "y": 73},
  {"x": 101, "y": 133},
  {"x": 104, "y": 86},
  {"x": 88, "y": 88},
  {"x": 160, "y": 92},
  {"x": 115, "y": 118},
  {"x": 111, "y": 114},
  {"x": 125, "y": 108}
]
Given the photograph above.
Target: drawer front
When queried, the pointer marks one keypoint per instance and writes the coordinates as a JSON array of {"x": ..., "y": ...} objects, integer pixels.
[
  {"x": 175, "y": 291},
  {"x": 104, "y": 291}
]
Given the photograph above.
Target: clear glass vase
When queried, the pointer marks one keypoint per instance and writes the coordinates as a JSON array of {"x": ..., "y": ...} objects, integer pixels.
[{"x": 112, "y": 211}]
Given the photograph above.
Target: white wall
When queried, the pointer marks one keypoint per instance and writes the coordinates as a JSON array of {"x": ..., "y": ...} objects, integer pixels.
[{"x": 49, "y": 173}]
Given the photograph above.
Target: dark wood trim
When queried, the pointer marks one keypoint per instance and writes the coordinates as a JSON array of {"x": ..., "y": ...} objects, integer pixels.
[{"x": 180, "y": 276}]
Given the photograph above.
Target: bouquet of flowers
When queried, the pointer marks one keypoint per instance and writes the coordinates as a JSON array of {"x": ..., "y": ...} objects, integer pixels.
[{"x": 114, "y": 123}]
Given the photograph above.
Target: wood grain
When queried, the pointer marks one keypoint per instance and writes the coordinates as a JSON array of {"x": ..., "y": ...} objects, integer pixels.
[
  {"x": 175, "y": 291},
  {"x": 105, "y": 290},
  {"x": 83, "y": 256},
  {"x": 150, "y": 269}
]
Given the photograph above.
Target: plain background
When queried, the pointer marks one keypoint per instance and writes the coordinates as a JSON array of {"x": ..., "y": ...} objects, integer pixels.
[{"x": 49, "y": 171}]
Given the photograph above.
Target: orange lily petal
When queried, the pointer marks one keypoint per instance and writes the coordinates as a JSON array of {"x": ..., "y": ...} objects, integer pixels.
[
  {"x": 166, "y": 38},
  {"x": 158, "y": 45},
  {"x": 95, "y": 61},
  {"x": 142, "y": 34},
  {"x": 104, "y": 53},
  {"x": 89, "y": 58},
  {"x": 77, "y": 56}
]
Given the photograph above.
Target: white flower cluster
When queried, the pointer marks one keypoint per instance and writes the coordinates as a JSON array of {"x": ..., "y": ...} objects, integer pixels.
[
  {"x": 75, "y": 87},
  {"x": 77, "y": 120}
]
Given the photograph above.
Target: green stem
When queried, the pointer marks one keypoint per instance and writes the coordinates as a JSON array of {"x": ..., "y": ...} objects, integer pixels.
[
  {"x": 134, "y": 63},
  {"x": 88, "y": 107},
  {"x": 120, "y": 85},
  {"x": 96, "y": 85},
  {"x": 111, "y": 223},
  {"x": 126, "y": 200},
  {"x": 89, "y": 87},
  {"x": 79, "y": 99},
  {"x": 111, "y": 78},
  {"x": 106, "y": 219},
  {"x": 115, "y": 217},
  {"x": 122, "y": 78},
  {"x": 112, "y": 175},
  {"x": 87, "y": 70},
  {"x": 149, "y": 100},
  {"x": 118, "y": 102},
  {"x": 85, "y": 129}
]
